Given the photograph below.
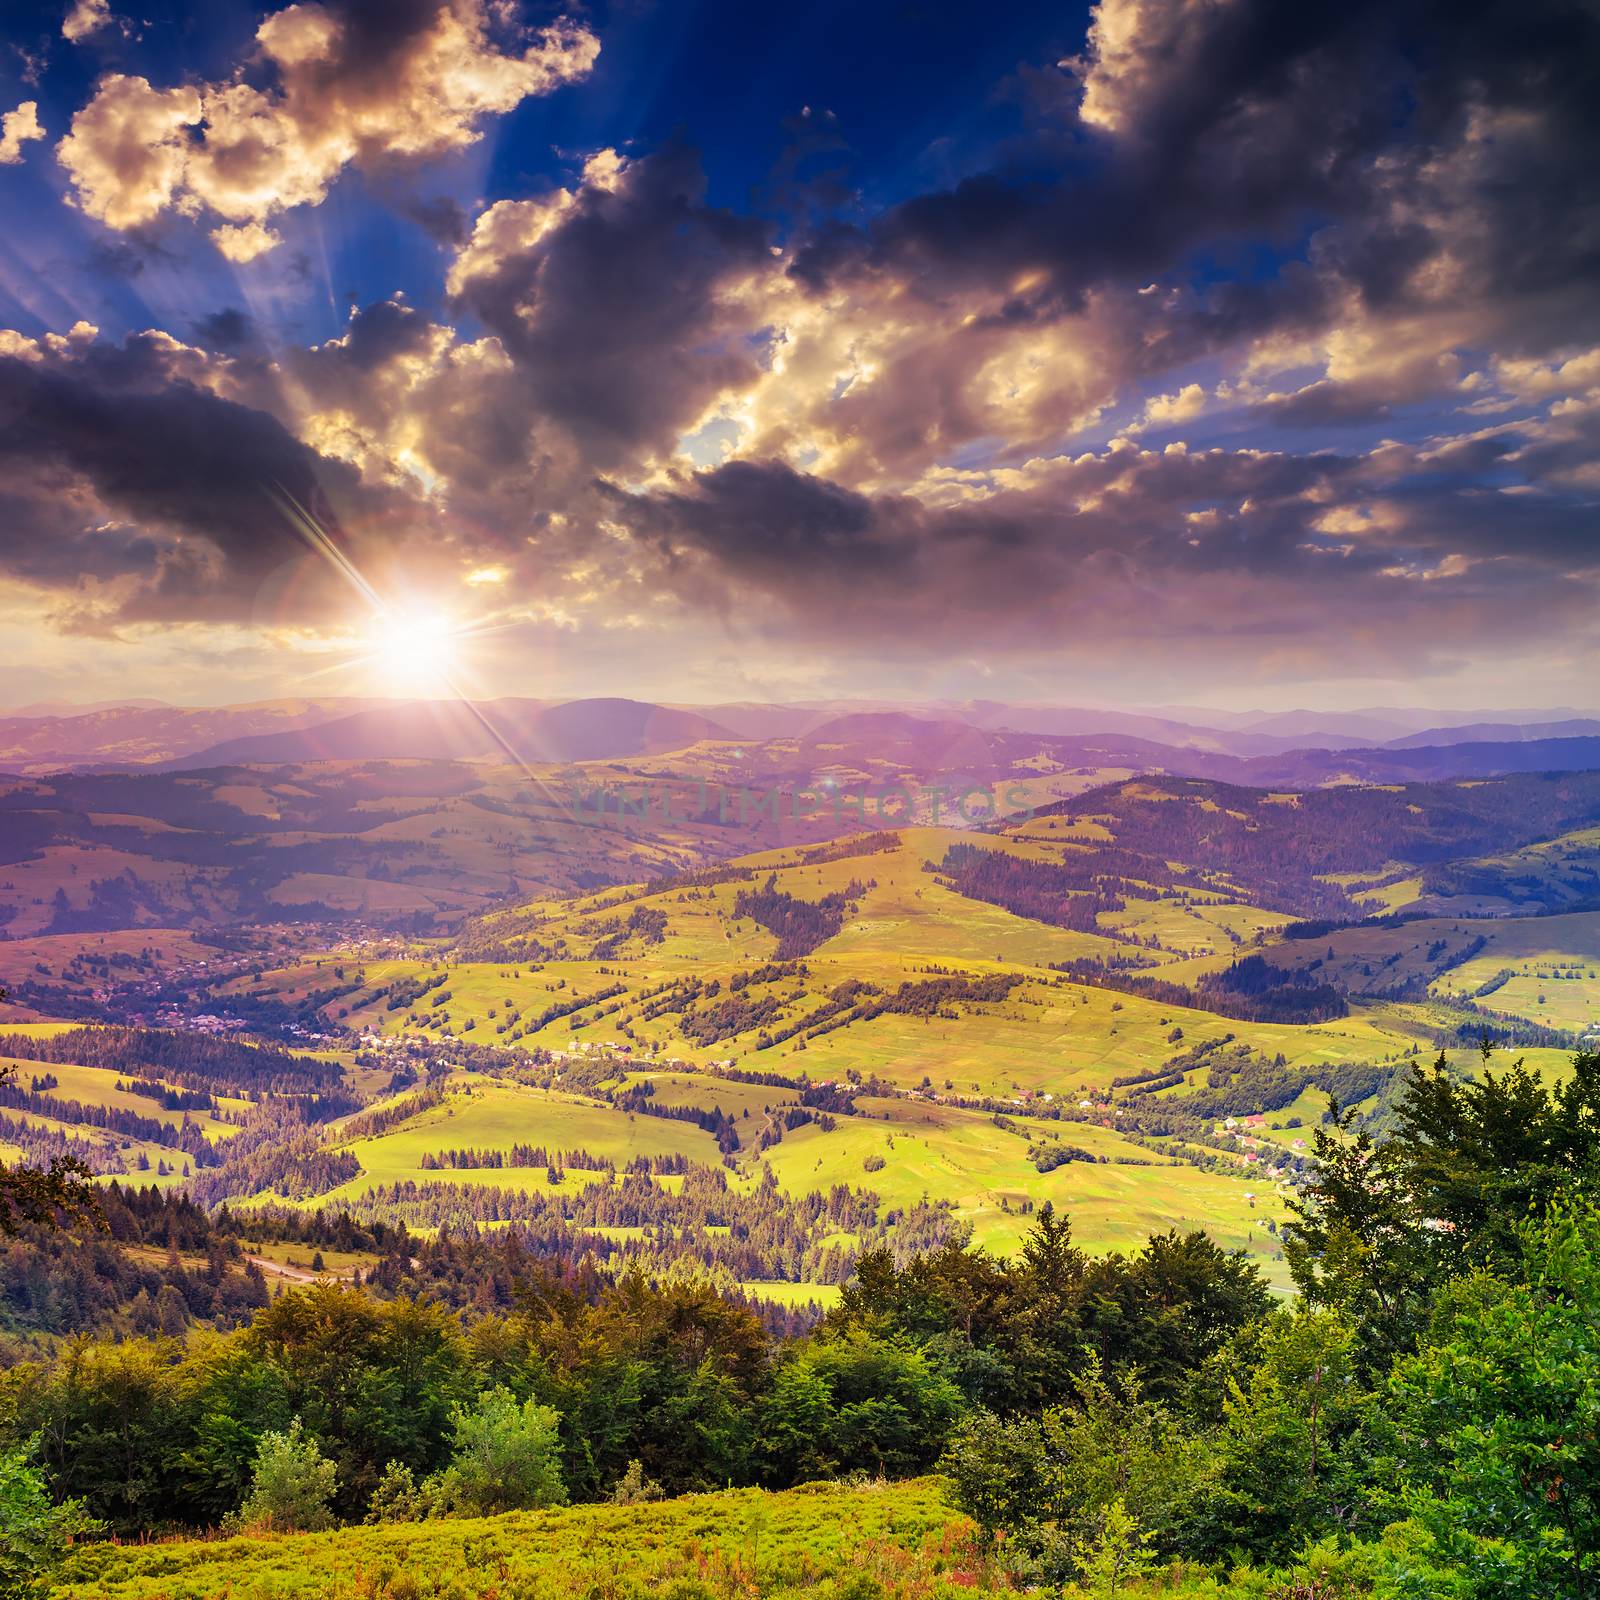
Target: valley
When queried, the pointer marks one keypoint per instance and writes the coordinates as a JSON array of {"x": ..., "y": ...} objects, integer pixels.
[
  {"x": 1131, "y": 1002},
  {"x": 839, "y": 1054}
]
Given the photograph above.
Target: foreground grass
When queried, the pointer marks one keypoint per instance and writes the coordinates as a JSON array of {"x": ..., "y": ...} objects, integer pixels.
[
  {"x": 875, "y": 1541},
  {"x": 898, "y": 1540}
]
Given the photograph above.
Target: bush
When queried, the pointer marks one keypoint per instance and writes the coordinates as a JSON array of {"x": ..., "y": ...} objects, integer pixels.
[
  {"x": 507, "y": 1458},
  {"x": 34, "y": 1534},
  {"x": 399, "y": 1497},
  {"x": 633, "y": 1488},
  {"x": 291, "y": 1485}
]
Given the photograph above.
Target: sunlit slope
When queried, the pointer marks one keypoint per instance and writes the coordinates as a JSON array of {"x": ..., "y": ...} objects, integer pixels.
[
  {"x": 496, "y": 1115},
  {"x": 984, "y": 1168},
  {"x": 1544, "y": 969},
  {"x": 815, "y": 1541},
  {"x": 605, "y": 970}
]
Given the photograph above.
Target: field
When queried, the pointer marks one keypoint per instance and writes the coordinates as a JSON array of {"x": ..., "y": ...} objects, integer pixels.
[
  {"x": 1048, "y": 1036},
  {"x": 1545, "y": 969},
  {"x": 1116, "y": 1201},
  {"x": 147, "y": 1154},
  {"x": 851, "y": 1016},
  {"x": 1044, "y": 1047},
  {"x": 872, "y": 1541},
  {"x": 497, "y": 1115}
]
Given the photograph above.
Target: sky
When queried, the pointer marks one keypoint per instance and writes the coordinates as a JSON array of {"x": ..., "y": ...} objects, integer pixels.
[{"x": 1213, "y": 351}]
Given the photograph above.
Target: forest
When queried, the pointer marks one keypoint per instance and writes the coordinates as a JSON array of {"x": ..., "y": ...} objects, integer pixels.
[{"x": 1159, "y": 1410}]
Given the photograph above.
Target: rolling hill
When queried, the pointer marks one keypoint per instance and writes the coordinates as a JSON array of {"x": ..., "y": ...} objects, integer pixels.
[{"x": 647, "y": 1041}]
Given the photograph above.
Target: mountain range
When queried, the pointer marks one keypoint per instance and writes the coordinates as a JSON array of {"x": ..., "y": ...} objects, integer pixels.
[{"x": 1293, "y": 747}]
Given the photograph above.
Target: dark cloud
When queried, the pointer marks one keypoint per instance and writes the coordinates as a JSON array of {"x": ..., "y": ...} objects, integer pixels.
[
  {"x": 115, "y": 469},
  {"x": 1397, "y": 133},
  {"x": 443, "y": 220},
  {"x": 612, "y": 312},
  {"x": 228, "y": 330},
  {"x": 765, "y": 522},
  {"x": 1169, "y": 546},
  {"x": 126, "y": 257}
]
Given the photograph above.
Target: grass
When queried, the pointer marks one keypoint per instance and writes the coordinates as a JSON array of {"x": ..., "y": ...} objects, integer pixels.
[
  {"x": 492, "y": 1114},
  {"x": 700, "y": 1089},
  {"x": 783, "y": 1293},
  {"x": 97, "y": 1086},
  {"x": 820, "y": 1541},
  {"x": 945, "y": 1152},
  {"x": 894, "y": 1540}
]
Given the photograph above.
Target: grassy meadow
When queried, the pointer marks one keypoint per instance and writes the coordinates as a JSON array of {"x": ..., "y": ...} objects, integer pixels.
[
  {"x": 823, "y": 1541},
  {"x": 608, "y": 981}
]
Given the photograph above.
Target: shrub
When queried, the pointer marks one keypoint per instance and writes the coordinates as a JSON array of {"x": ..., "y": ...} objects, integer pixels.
[
  {"x": 398, "y": 1496},
  {"x": 291, "y": 1485},
  {"x": 633, "y": 1488},
  {"x": 34, "y": 1534},
  {"x": 507, "y": 1458}
]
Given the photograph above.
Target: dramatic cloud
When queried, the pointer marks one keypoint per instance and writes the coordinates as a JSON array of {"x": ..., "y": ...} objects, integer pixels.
[
  {"x": 1420, "y": 174},
  {"x": 128, "y": 150},
  {"x": 626, "y": 304},
  {"x": 16, "y": 128},
  {"x": 361, "y": 84},
  {"x": 1250, "y": 555},
  {"x": 1269, "y": 340},
  {"x": 138, "y": 493}
]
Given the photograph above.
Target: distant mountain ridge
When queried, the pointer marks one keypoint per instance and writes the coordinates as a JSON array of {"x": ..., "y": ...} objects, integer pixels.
[
  {"x": 1422, "y": 763},
  {"x": 135, "y": 735},
  {"x": 1294, "y": 749},
  {"x": 1500, "y": 733},
  {"x": 535, "y": 731}
]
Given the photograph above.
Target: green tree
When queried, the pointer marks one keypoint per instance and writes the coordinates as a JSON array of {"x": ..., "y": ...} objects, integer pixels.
[
  {"x": 1168, "y": 1309},
  {"x": 999, "y": 1475},
  {"x": 34, "y": 1532},
  {"x": 796, "y": 1423},
  {"x": 1291, "y": 1458},
  {"x": 1498, "y": 1426},
  {"x": 291, "y": 1486},
  {"x": 855, "y": 1402},
  {"x": 1358, "y": 1242},
  {"x": 1384, "y": 1224},
  {"x": 113, "y": 1420},
  {"x": 1049, "y": 1483},
  {"x": 507, "y": 1457},
  {"x": 1116, "y": 1552},
  {"x": 634, "y": 1489},
  {"x": 374, "y": 1381}
]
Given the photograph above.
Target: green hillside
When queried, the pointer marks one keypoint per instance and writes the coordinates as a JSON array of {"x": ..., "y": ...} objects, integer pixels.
[
  {"x": 1117, "y": 1005},
  {"x": 882, "y": 1539}
]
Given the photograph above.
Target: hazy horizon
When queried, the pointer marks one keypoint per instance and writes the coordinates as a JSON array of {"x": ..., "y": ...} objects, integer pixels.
[{"x": 1192, "y": 714}]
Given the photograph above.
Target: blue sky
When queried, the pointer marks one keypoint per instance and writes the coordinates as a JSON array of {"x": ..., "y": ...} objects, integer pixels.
[{"x": 913, "y": 96}]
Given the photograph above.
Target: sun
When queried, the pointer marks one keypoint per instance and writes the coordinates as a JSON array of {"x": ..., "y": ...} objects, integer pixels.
[{"x": 415, "y": 649}]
